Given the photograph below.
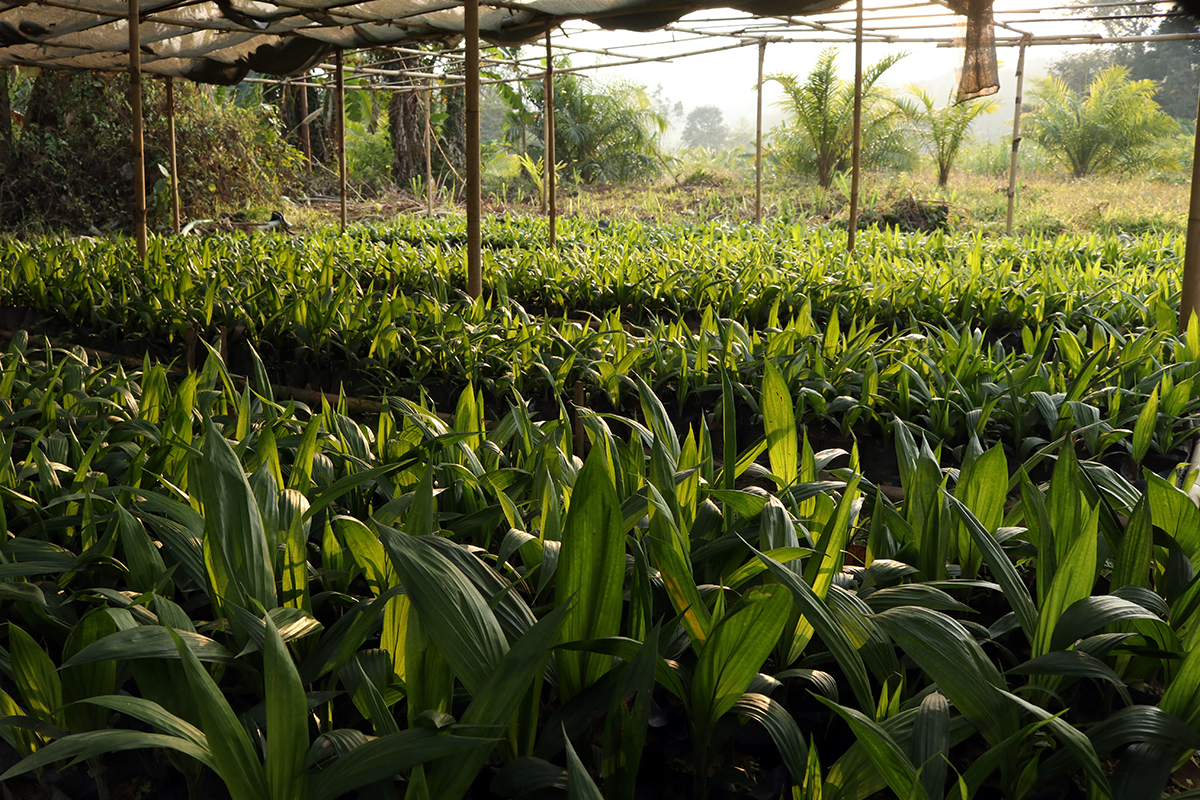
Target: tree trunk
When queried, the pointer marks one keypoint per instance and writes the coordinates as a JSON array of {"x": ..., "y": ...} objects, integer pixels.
[
  {"x": 943, "y": 175},
  {"x": 406, "y": 118},
  {"x": 454, "y": 133},
  {"x": 6, "y": 131}
]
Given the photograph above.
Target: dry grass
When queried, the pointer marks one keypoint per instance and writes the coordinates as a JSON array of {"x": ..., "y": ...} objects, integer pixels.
[{"x": 1046, "y": 204}]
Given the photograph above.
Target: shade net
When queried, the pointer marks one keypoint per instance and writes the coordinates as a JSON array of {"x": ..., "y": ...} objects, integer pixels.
[{"x": 220, "y": 41}]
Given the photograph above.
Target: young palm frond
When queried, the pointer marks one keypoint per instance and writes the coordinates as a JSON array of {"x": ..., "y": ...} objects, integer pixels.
[
  {"x": 819, "y": 130},
  {"x": 944, "y": 129}
]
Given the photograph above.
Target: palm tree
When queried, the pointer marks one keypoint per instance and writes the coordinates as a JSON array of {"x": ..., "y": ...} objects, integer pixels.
[
  {"x": 819, "y": 129},
  {"x": 602, "y": 131},
  {"x": 1116, "y": 127},
  {"x": 943, "y": 129}
]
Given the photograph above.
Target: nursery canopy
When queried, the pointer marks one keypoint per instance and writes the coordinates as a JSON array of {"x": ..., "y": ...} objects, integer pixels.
[{"x": 219, "y": 41}]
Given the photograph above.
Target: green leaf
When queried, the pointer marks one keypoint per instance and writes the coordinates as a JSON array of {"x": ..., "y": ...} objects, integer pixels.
[
  {"x": 779, "y": 420},
  {"x": 889, "y": 758},
  {"x": 150, "y": 641},
  {"x": 451, "y": 609},
  {"x": 580, "y": 785},
  {"x": 383, "y": 757},
  {"x": 235, "y": 542},
  {"x": 783, "y": 730},
  {"x": 35, "y": 676},
  {"x": 591, "y": 571},
  {"x": 827, "y": 627},
  {"x": 952, "y": 658},
  {"x": 233, "y": 755},
  {"x": 1143, "y": 429},
  {"x": 1073, "y": 581},
  {"x": 1002, "y": 569},
  {"x": 497, "y": 703},
  {"x": 930, "y": 746},
  {"x": 627, "y": 721},
  {"x": 287, "y": 720},
  {"x": 733, "y": 655},
  {"x": 83, "y": 746},
  {"x": 1090, "y": 614}
]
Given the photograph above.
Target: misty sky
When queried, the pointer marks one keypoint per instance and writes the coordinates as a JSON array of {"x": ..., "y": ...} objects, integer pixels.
[{"x": 727, "y": 79}]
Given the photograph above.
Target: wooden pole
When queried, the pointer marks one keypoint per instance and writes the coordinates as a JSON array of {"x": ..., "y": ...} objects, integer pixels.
[
  {"x": 139, "y": 147},
  {"x": 341, "y": 128},
  {"x": 429, "y": 150},
  {"x": 856, "y": 149},
  {"x": 1016, "y": 143},
  {"x": 550, "y": 157},
  {"x": 1189, "y": 294},
  {"x": 172, "y": 153},
  {"x": 474, "y": 205},
  {"x": 762, "y": 54},
  {"x": 305, "y": 138}
]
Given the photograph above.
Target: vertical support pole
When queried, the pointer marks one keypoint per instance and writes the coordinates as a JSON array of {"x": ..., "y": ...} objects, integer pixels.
[
  {"x": 1016, "y": 141},
  {"x": 305, "y": 138},
  {"x": 551, "y": 178},
  {"x": 762, "y": 54},
  {"x": 139, "y": 147},
  {"x": 341, "y": 129},
  {"x": 856, "y": 150},
  {"x": 429, "y": 187},
  {"x": 474, "y": 209},
  {"x": 173, "y": 155},
  {"x": 1189, "y": 294}
]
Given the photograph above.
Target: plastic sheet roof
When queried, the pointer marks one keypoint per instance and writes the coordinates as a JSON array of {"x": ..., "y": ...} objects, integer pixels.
[{"x": 220, "y": 41}]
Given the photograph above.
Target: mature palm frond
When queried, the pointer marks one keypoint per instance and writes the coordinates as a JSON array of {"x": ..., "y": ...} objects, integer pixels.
[
  {"x": 1116, "y": 127},
  {"x": 818, "y": 132},
  {"x": 944, "y": 129}
]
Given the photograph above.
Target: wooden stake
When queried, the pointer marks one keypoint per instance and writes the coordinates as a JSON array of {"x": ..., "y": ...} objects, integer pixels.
[
  {"x": 305, "y": 138},
  {"x": 1189, "y": 294},
  {"x": 429, "y": 151},
  {"x": 1016, "y": 143},
  {"x": 341, "y": 128},
  {"x": 550, "y": 165},
  {"x": 139, "y": 147},
  {"x": 762, "y": 54},
  {"x": 474, "y": 205},
  {"x": 174, "y": 160},
  {"x": 856, "y": 149}
]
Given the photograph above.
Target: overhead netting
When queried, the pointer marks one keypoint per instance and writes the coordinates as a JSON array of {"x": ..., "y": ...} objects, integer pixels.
[{"x": 220, "y": 41}]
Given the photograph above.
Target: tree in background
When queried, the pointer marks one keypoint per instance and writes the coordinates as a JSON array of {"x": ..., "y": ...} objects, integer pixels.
[
  {"x": 819, "y": 127},
  {"x": 608, "y": 132},
  {"x": 944, "y": 129},
  {"x": 1173, "y": 65},
  {"x": 705, "y": 128},
  {"x": 1116, "y": 127}
]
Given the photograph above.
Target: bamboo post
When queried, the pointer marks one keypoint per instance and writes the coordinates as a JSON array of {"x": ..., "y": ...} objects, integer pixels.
[
  {"x": 429, "y": 150},
  {"x": 1016, "y": 141},
  {"x": 172, "y": 153},
  {"x": 856, "y": 151},
  {"x": 1189, "y": 291},
  {"x": 474, "y": 210},
  {"x": 550, "y": 157},
  {"x": 341, "y": 128},
  {"x": 762, "y": 54},
  {"x": 139, "y": 147},
  {"x": 305, "y": 138}
]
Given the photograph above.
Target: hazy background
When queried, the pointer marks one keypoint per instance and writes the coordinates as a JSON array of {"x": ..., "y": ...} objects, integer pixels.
[{"x": 727, "y": 79}]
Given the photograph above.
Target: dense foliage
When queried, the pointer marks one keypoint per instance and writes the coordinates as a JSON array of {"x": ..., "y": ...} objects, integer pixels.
[
  {"x": 68, "y": 165},
  {"x": 943, "y": 130},
  {"x": 1115, "y": 127},
  {"x": 612, "y": 558},
  {"x": 818, "y": 134}
]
